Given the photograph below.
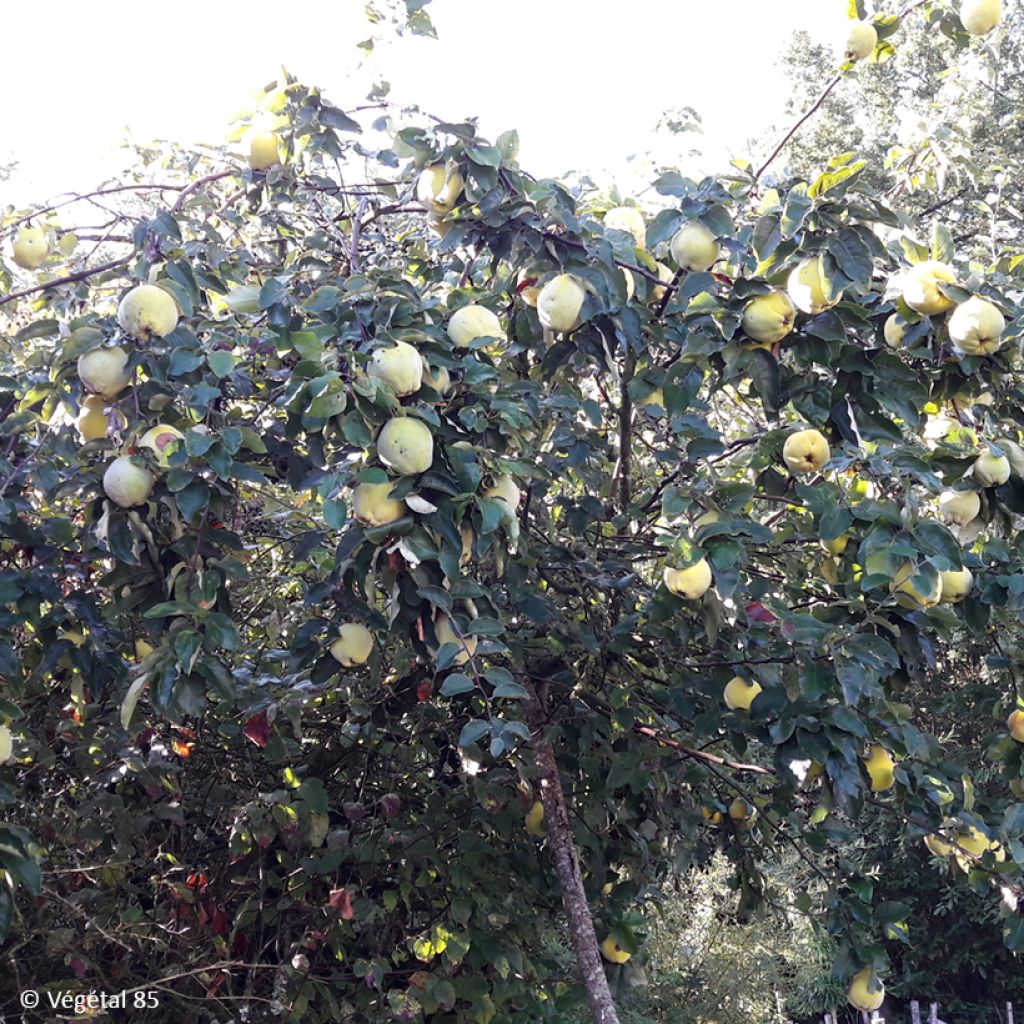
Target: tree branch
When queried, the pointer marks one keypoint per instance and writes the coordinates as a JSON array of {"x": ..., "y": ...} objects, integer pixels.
[
  {"x": 699, "y": 755},
  {"x": 572, "y": 243},
  {"x": 357, "y": 227},
  {"x": 625, "y": 433},
  {"x": 811, "y": 111},
  {"x": 567, "y": 868},
  {"x": 81, "y": 275},
  {"x": 195, "y": 186},
  {"x": 820, "y": 100},
  {"x": 88, "y": 195}
]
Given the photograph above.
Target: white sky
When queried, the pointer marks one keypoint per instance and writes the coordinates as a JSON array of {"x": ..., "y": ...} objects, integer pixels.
[{"x": 583, "y": 81}]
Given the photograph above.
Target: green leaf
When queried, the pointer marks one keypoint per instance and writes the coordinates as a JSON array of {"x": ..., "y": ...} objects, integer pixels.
[
  {"x": 437, "y": 596},
  {"x": 935, "y": 539},
  {"x": 356, "y": 431},
  {"x": 220, "y": 362},
  {"x": 475, "y": 729},
  {"x": 672, "y": 183},
  {"x": 887, "y": 25},
  {"x": 852, "y": 256},
  {"x": 221, "y": 631},
  {"x": 508, "y": 146},
  {"x": 511, "y": 690},
  {"x": 337, "y": 119},
  {"x": 307, "y": 344},
  {"x": 23, "y": 869},
  {"x": 457, "y": 683},
  {"x": 336, "y": 513},
  {"x": 327, "y": 405},
  {"x": 767, "y": 236},
  {"x": 486, "y": 155},
  {"x": 187, "y": 644},
  {"x": 765, "y": 376},
  {"x": 247, "y": 471},
  {"x": 829, "y": 181},
  {"x": 943, "y": 247},
  {"x": 192, "y": 499},
  {"x": 314, "y": 795},
  {"x": 198, "y": 442},
  {"x": 798, "y": 206},
  {"x": 183, "y": 361},
  {"x": 485, "y": 626},
  {"x": 914, "y": 251},
  {"x": 6, "y": 912},
  {"x": 39, "y": 329},
  {"x": 159, "y": 611},
  {"x": 272, "y": 292},
  {"x": 1013, "y": 820}
]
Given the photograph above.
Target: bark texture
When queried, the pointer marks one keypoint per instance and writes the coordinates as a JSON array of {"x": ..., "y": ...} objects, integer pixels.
[{"x": 570, "y": 878}]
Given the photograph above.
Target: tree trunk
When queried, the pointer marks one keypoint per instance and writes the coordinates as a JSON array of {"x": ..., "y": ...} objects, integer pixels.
[{"x": 570, "y": 879}]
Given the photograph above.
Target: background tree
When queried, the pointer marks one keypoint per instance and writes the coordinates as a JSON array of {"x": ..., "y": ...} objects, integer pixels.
[{"x": 946, "y": 147}]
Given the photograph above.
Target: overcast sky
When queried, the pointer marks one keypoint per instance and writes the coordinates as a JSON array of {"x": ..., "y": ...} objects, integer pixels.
[{"x": 583, "y": 82}]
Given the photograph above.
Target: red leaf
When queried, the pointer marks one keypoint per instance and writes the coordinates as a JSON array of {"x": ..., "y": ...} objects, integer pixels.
[
  {"x": 423, "y": 691},
  {"x": 78, "y": 967},
  {"x": 221, "y": 921},
  {"x": 217, "y": 983},
  {"x": 757, "y": 612},
  {"x": 257, "y": 729},
  {"x": 341, "y": 901}
]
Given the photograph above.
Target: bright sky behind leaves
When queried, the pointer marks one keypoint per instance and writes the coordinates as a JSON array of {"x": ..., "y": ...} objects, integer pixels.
[{"x": 584, "y": 82}]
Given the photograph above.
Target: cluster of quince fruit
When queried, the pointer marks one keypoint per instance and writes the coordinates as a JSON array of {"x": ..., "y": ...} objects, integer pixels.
[
  {"x": 404, "y": 446},
  {"x": 975, "y": 326},
  {"x": 146, "y": 311},
  {"x": 978, "y": 18}
]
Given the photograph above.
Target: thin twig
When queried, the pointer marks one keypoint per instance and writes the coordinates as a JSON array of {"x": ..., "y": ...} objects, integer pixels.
[
  {"x": 88, "y": 195},
  {"x": 811, "y": 111},
  {"x": 195, "y": 186},
  {"x": 700, "y": 755},
  {"x": 357, "y": 227},
  {"x": 81, "y": 275}
]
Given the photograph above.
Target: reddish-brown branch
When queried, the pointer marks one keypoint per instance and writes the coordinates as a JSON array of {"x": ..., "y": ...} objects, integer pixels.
[
  {"x": 625, "y": 434},
  {"x": 670, "y": 290},
  {"x": 811, "y": 111},
  {"x": 195, "y": 186},
  {"x": 89, "y": 195},
  {"x": 101, "y": 238},
  {"x": 567, "y": 868},
  {"x": 572, "y": 243},
  {"x": 700, "y": 755},
  {"x": 81, "y": 275},
  {"x": 384, "y": 211}
]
